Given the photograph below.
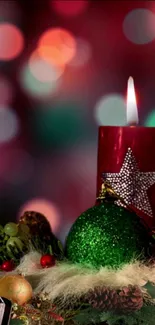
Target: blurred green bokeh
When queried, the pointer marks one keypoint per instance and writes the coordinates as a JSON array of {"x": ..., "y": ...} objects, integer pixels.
[
  {"x": 35, "y": 87},
  {"x": 150, "y": 120},
  {"x": 62, "y": 125}
]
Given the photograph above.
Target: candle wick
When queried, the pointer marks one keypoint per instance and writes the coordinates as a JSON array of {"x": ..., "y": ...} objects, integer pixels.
[{"x": 132, "y": 124}]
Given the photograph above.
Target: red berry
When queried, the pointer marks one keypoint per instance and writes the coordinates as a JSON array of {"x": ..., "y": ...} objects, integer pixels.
[
  {"x": 47, "y": 260},
  {"x": 7, "y": 266}
]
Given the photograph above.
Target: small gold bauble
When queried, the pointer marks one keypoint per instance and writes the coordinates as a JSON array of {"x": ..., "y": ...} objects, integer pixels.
[{"x": 15, "y": 288}]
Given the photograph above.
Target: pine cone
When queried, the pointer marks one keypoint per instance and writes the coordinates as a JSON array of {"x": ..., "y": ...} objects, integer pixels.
[
  {"x": 126, "y": 300},
  {"x": 130, "y": 298},
  {"x": 103, "y": 298}
]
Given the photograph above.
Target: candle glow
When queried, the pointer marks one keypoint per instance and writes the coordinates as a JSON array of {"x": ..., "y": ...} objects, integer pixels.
[{"x": 132, "y": 111}]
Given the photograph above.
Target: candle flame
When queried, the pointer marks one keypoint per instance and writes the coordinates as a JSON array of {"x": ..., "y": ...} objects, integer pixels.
[{"x": 132, "y": 111}]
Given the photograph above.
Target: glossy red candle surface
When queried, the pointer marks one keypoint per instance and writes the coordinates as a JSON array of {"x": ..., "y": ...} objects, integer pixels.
[{"x": 113, "y": 145}]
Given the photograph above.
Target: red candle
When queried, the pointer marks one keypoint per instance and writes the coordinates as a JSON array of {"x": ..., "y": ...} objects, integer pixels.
[{"x": 126, "y": 158}]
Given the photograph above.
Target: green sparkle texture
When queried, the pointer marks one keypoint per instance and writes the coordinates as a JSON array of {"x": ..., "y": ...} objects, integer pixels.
[{"x": 106, "y": 235}]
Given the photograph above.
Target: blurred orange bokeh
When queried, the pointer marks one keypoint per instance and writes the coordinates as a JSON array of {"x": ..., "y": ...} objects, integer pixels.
[{"x": 57, "y": 45}]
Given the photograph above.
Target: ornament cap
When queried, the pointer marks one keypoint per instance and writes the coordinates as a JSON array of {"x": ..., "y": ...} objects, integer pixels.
[{"x": 107, "y": 193}]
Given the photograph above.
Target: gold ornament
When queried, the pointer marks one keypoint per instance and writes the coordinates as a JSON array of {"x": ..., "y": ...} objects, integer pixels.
[
  {"x": 107, "y": 193},
  {"x": 15, "y": 288}
]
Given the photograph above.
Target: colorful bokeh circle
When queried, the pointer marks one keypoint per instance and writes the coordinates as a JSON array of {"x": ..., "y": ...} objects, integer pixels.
[
  {"x": 139, "y": 27},
  {"x": 57, "y": 45},
  {"x": 111, "y": 110},
  {"x": 11, "y": 41},
  {"x": 42, "y": 70}
]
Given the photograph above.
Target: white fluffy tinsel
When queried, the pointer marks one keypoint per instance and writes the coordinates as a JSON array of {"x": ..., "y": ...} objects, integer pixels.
[{"x": 68, "y": 280}]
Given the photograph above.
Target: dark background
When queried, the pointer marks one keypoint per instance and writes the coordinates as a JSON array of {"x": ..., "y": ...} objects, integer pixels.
[{"x": 48, "y": 159}]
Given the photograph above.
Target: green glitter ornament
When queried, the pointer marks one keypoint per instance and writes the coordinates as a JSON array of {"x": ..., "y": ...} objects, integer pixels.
[{"x": 106, "y": 235}]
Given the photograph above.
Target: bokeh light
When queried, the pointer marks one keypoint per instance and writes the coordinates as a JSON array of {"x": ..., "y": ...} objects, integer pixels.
[
  {"x": 11, "y": 41},
  {"x": 150, "y": 120},
  {"x": 9, "y": 124},
  {"x": 70, "y": 8},
  {"x": 57, "y": 45},
  {"x": 6, "y": 91},
  {"x": 47, "y": 208},
  {"x": 16, "y": 166},
  {"x": 111, "y": 110},
  {"x": 42, "y": 70},
  {"x": 139, "y": 26},
  {"x": 61, "y": 124},
  {"x": 34, "y": 87},
  {"x": 83, "y": 53}
]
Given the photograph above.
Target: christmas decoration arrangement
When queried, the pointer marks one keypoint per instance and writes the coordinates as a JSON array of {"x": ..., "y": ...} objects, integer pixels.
[{"x": 105, "y": 273}]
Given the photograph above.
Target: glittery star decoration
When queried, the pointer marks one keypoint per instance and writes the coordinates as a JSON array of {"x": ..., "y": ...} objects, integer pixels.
[{"x": 131, "y": 184}]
